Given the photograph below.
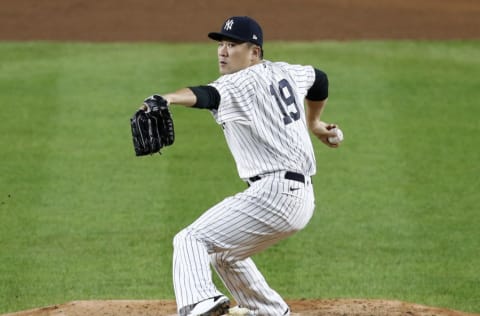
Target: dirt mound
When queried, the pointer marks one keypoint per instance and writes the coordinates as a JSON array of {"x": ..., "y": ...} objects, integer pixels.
[{"x": 337, "y": 307}]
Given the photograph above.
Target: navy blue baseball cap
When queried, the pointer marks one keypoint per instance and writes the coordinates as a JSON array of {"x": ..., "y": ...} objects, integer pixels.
[{"x": 240, "y": 28}]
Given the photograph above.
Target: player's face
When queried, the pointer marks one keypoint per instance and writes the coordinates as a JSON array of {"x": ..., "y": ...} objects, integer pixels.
[{"x": 233, "y": 56}]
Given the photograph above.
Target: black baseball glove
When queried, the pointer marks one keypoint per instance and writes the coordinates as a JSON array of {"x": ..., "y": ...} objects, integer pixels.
[{"x": 152, "y": 126}]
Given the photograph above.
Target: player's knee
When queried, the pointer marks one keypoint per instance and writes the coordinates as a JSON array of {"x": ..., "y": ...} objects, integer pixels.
[
  {"x": 218, "y": 260},
  {"x": 186, "y": 237},
  {"x": 223, "y": 259},
  {"x": 180, "y": 238}
]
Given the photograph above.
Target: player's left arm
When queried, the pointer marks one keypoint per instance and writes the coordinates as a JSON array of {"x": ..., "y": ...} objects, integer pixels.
[
  {"x": 204, "y": 97},
  {"x": 183, "y": 97}
]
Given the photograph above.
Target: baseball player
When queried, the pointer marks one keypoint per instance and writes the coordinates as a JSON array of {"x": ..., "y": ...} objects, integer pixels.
[{"x": 260, "y": 107}]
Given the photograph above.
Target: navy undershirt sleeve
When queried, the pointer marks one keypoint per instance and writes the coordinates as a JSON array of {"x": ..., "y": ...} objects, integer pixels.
[
  {"x": 207, "y": 97},
  {"x": 319, "y": 90}
]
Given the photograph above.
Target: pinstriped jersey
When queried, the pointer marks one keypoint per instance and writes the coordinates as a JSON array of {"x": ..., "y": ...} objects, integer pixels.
[{"x": 262, "y": 114}]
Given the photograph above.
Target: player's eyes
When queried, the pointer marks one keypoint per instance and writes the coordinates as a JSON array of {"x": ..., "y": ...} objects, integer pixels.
[{"x": 226, "y": 44}]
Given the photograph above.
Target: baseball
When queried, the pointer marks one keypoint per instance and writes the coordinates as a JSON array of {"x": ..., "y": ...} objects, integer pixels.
[{"x": 337, "y": 139}]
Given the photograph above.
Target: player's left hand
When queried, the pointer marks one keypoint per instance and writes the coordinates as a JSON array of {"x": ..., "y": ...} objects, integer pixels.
[{"x": 152, "y": 126}]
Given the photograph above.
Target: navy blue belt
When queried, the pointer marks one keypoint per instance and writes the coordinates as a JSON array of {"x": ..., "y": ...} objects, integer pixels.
[{"x": 288, "y": 175}]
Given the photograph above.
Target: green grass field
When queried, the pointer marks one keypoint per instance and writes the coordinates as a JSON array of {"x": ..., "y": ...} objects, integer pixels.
[{"x": 397, "y": 205}]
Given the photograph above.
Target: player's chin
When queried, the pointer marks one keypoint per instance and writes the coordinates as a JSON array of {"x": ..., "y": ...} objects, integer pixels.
[
  {"x": 225, "y": 71},
  {"x": 228, "y": 69},
  {"x": 222, "y": 68}
]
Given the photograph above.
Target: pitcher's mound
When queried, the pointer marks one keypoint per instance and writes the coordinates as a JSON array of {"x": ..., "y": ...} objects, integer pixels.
[{"x": 332, "y": 307}]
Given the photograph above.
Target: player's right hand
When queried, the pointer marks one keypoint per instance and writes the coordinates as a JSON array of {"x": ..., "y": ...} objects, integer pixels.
[{"x": 323, "y": 131}]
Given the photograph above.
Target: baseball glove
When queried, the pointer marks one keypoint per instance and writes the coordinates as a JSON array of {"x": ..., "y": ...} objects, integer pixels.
[{"x": 152, "y": 126}]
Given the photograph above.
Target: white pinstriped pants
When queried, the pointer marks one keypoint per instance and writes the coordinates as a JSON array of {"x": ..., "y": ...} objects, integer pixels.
[{"x": 226, "y": 235}]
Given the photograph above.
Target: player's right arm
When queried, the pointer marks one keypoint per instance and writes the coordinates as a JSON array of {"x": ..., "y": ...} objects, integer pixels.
[
  {"x": 316, "y": 100},
  {"x": 318, "y": 127}
]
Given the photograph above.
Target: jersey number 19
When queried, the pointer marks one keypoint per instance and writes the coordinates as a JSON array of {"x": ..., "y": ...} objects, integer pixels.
[{"x": 285, "y": 100}]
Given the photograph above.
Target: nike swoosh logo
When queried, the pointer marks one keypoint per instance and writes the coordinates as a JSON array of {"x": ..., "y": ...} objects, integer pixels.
[{"x": 294, "y": 189}]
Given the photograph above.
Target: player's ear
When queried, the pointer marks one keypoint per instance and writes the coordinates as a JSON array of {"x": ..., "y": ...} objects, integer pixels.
[{"x": 256, "y": 51}]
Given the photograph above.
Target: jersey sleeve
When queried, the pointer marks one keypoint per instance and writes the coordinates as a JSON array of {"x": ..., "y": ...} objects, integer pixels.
[
  {"x": 236, "y": 95},
  {"x": 304, "y": 76}
]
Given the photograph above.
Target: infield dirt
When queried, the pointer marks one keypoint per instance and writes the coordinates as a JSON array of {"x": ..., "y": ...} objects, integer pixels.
[{"x": 178, "y": 21}]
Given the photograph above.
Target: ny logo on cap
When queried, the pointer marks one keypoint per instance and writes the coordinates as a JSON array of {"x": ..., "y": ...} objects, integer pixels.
[{"x": 228, "y": 25}]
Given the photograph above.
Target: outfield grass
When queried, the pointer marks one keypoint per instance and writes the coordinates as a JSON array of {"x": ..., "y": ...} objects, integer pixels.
[{"x": 82, "y": 218}]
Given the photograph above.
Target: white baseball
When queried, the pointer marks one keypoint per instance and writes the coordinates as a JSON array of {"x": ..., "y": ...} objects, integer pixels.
[{"x": 336, "y": 139}]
